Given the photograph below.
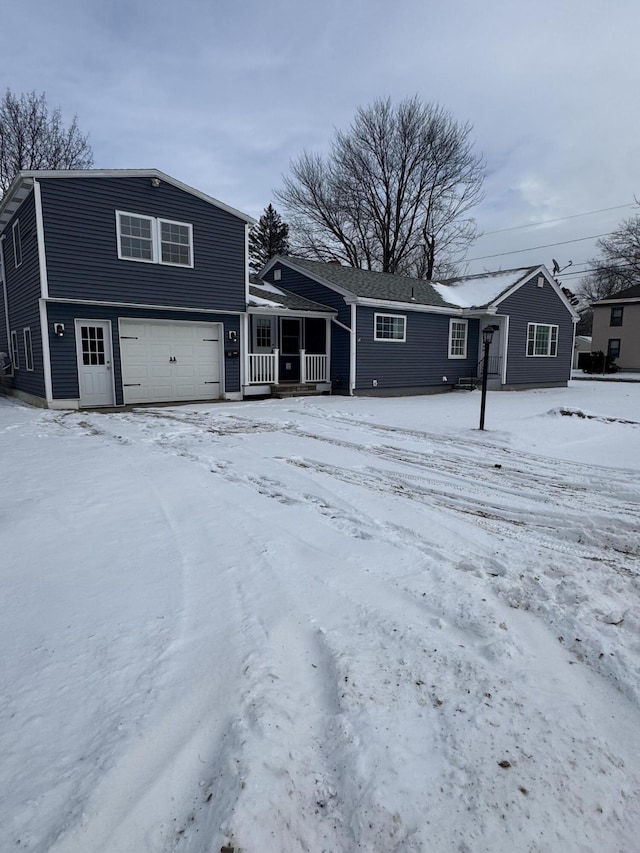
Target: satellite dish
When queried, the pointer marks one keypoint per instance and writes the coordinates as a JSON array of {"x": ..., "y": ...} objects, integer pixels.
[{"x": 556, "y": 266}]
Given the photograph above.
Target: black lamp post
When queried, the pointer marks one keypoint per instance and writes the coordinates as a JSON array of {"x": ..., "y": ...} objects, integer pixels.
[{"x": 487, "y": 337}]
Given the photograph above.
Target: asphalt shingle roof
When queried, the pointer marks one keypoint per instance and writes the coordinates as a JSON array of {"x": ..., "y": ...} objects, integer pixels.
[
  {"x": 373, "y": 285},
  {"x": 463, "y": 291}
]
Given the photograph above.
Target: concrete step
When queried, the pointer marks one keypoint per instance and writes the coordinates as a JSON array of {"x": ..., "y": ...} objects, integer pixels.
[{"x": 467, "y": 383}]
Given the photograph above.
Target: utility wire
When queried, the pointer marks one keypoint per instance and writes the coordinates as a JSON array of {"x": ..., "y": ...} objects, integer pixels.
[
  {"x": 535, "y": 248},
  {"x": 550, "y": 221}
]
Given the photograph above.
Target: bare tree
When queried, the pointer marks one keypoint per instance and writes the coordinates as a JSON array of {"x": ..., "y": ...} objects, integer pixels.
[
  {"x": 619, "y": 264},
  {"x": 32, "y": 137},
  {"x": 392, "y": 194}
]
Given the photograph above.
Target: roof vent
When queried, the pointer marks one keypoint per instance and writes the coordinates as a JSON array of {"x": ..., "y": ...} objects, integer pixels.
[{"x": 540, "y": 281}]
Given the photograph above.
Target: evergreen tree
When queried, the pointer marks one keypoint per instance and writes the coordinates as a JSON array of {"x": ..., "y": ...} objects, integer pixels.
[{"x": 269, "y": 237}]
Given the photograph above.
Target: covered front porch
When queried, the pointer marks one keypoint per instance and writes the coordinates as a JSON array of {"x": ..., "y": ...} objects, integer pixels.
[{"x": 289, "y": 343}]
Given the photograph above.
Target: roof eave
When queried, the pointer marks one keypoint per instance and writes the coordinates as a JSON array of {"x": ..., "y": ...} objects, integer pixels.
[{"x": 46, "y": 174}]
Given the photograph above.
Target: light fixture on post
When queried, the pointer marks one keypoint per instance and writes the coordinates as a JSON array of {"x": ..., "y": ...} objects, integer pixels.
[{"x": 487, "y": 337}]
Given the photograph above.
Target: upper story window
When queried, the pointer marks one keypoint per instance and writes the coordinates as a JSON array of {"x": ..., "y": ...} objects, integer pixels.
[
  {"x": 542, "y": 340},
  {"x": 458, "y": 338},
  {"x": 17, "y": 243},
  {"x": 616, "y": 315},
  {"x": 390, "y": 327},
  {"x": 154, "y": 241}
]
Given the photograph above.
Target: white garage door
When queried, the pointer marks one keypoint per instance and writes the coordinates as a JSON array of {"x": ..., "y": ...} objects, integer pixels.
[{"x": 167, "y": 361}]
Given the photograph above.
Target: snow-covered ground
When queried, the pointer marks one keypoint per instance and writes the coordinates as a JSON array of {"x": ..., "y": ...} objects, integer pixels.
[{"x": 323, "y": 624}]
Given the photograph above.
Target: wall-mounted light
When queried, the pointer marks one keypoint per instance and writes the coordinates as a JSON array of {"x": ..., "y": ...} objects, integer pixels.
[
  {"x": 155, "y": 182},
  {"x": 233, "y": 335},
  {"x": 58, "y": 328}
]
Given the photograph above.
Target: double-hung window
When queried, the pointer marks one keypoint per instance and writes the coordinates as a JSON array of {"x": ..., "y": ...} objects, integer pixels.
[
  {"x": 458, "y": 338},
  {"x": 154, "y": 241},
  {"x": 613, "y": 348},
  {"x": 616, "y": 315},
  {"x": 390, "y": 327},
  {"x": 15, "y": 353},
  {"x": 542, "y": 339},
  {"x": 28, "y": 349}
]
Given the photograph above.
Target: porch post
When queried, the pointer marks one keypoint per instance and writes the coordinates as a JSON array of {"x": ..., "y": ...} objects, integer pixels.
[
  {"x": 327, "y": 350},
  {"x": 276, "y": 366},
  {"x": 303, "y": 366}
]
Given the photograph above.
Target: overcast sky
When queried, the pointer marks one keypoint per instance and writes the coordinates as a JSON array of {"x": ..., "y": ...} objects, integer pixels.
[{"x": 222, "y": 94}]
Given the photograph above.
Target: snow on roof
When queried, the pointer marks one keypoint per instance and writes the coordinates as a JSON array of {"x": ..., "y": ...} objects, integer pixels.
[{"x": 479, "y": 290}]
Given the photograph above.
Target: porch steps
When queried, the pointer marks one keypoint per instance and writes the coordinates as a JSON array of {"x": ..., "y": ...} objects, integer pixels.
[
  {"x": 295, "y": 390},
  {"x": 467, "y": 383}
]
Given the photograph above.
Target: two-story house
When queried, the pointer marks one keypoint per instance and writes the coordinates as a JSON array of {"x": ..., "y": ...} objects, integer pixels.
[
  {"x": 616, "y": 328},
  {"x": 120, "y": 286},
  {"x": 123, "y": 287}
]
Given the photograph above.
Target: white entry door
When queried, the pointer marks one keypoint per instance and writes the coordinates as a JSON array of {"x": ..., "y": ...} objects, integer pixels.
[{"x": 95, "y": 362}]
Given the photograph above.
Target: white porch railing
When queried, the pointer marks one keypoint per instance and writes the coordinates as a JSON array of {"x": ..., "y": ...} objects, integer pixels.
[
  {"x": 263, "y": 368},
  {"x": 313, "y": 368}
]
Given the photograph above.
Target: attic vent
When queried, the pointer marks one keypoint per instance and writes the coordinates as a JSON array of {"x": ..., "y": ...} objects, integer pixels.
[
  {"x": 540, "y": 281},
  {"x": 277, "y": 275}
]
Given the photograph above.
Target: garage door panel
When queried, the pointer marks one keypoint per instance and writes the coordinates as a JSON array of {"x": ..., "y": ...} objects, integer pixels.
[{"x": 164, "y": 361}]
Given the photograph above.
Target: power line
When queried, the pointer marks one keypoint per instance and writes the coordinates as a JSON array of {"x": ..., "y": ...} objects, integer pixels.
[
  {"x": 535, "y": 248},
  {"x": 551, "y": 221}
]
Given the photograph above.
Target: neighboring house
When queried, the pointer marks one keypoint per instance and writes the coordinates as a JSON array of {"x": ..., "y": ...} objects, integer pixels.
[
  {"x": 121, "y": 286},
  {"x": 581, "y": 351},
  {"x": 616, "y": 328},
  {"x": 393, "y": 335}
]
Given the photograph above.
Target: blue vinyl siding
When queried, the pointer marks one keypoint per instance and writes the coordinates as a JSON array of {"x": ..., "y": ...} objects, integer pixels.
[
  {"x": 533, "y": 304},
  {"x": 82, "y": 255},
  {"x": 301, "y": 285},
  {"x": 64, "y": 367},
  {"x": 421, "y": 361},
  {"x": 23, "y": 294}
]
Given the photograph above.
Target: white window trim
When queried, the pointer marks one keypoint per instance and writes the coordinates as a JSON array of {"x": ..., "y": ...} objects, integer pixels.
[
  {"x": 188, "y": 225},
  {"x": 547, "y": 354},
  {"x": 28, "y": 349},
  {"x": 464, "y": 323},
  {"x": 15, "y": 353},
  {"x": 17, "y": 244},
  {"x": 156, "y": 239},
  {"x": 401, "y": 340}
]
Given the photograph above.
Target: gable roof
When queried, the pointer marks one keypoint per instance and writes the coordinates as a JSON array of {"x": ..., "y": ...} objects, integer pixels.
[
  {"x": 632, "y": 292},
  {"x": 455, "y": 295},
  {"x": 23, "y": 184},
  {"x": 351, "y": 281},
  {"x": 484, "y": 289}
]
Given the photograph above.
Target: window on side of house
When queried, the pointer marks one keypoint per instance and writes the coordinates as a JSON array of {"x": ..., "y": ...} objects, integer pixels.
[
  {"x": 176, "y": 243},
  {"x": 28, "y": 349},
  {"x": 390, "y": 327},
  {"x": 154, "y": 241},
  {"x": 613, "y": 349},
  {"x": 15, "y": 354},
  {"x": 616, "y": 315},
  {"x": 458, "y": 330},
  {"x": 17, "y": 243},
  {"x": 542, "y": 340}
]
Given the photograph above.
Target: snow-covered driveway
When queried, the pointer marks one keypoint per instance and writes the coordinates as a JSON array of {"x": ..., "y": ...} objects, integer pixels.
[{"x": 324, "y": 625}]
